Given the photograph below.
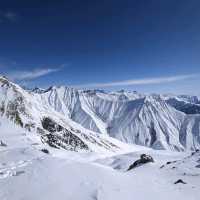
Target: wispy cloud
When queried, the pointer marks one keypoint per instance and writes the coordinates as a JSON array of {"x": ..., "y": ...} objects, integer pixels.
[
  {"x": 30, "y": 75},
  {"x": 8, "y": 16},
  {"x": 143, "y": 81}
]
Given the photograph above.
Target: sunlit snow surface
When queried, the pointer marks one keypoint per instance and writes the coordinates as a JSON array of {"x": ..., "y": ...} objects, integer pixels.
[{"x": 26, "y": 173}]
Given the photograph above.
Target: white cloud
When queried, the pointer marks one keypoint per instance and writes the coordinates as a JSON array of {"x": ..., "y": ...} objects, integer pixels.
[
  {"x": 30, "y": 75},
  {"x": 8, "y": 16},
  {"x": 144, "y": 81}
]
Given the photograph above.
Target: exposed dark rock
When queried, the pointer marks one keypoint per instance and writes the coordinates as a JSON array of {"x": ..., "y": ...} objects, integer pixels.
[
  {"x": 162, "y": 166},
  {"x": 17, "y": 173},
  {"x": 29, "y": 126},
  {"x": 45, "y": 151},
  {"x": 2, "y": 108},
  {"x": 38, "y": 90},
  {"x": 143, "y": 159},
  {"x": 34, "y": 144},
  {"x": 193, "y": 153},
  {"x": 2, "y": 144},
  {"x": 103, "y": 143},
  {"x": 197, "y": 166},
  {"x": 152, "y": 132},
  {"x": 50, "y": 125},
  {"x": 14, "y": 109},
  {"x": 180, "y": 181},
  {"x": 18, "y": 120},
  {"x": 187, "y": 108},
  {"x": 60, "y": 137},
  {"x": 40, "y": 131},
  {"x": 168, "y": 163},
  {"x": 65, "y": 140}
]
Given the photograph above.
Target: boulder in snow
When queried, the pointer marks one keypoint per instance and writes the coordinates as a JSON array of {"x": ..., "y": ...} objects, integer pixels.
[
  {"x": 143, "y": 159},
  {"x": 180, "y": 181}
]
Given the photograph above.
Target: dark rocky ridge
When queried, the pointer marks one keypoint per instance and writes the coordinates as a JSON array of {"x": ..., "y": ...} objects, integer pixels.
[{"x": 59, "y": 137}]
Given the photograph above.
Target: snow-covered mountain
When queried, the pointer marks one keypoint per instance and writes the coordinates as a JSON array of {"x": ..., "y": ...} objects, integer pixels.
[
  {"x": 29, "y": 111},
  {"x": 63, "y": 115},
  {"x": 184, "y": 103},
  {"x": 61, "y": 142}
]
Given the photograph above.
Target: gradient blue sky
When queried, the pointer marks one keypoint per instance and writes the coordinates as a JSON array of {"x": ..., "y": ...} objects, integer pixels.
[{"x": 144, "y": 45}]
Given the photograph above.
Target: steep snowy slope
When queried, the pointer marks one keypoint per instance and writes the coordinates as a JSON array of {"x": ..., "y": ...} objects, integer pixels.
[
  {"x": 190, "y": 132},
  {"x": 28, "y": 111},
  {"x": 130, "y": 117},
  {"x": 184, "y": 103},
  {"x": 148, "y": 120}
]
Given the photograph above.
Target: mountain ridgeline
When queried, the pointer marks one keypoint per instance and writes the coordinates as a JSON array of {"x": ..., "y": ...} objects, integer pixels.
[{"x": 88, "y": 119}]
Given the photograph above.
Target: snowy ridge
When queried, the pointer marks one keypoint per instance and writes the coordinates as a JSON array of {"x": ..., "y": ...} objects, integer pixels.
[
  {"x": 29, "y": 110},
  {"x": 148, "y": 120}
]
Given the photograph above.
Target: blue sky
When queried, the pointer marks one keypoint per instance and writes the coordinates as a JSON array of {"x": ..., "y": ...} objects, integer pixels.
[{"x": 146, "y": 45}]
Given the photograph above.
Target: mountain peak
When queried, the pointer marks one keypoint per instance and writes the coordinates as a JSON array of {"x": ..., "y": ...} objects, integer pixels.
[{"x": 149, "y": 120}]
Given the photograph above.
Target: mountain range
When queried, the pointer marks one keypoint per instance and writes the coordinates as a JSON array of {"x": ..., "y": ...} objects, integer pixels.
[{"x": 96, "y": 120}]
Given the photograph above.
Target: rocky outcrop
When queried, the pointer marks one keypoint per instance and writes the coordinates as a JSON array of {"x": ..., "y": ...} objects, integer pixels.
[
  {"x": 180, "y": 181},
  {"x": 59, "y": 137},
  {"x": 143, "y": 160}
]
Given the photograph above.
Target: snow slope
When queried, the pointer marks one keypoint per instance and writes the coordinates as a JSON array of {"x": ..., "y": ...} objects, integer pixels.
[
  {"x": 28, "y": 173},
  {"x": 29, "y": 112},
  {"x": 148, "y": 120},
  {"x": 130, "y": 117}
]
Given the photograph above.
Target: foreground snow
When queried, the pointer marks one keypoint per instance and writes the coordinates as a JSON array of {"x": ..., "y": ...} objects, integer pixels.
[{"x": 26, "y": 173}]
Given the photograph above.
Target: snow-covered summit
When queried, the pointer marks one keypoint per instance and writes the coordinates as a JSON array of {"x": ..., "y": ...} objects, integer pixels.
[
  {"x": 31, "y": 111},
  {"x": 149, "y": 120}
]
